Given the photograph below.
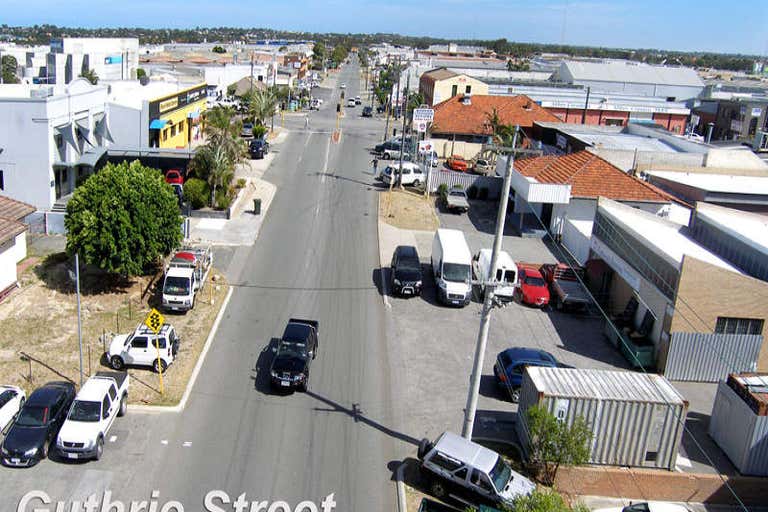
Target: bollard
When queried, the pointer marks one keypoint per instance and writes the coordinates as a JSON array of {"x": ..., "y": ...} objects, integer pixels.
[{"x": 257, "y": 206}]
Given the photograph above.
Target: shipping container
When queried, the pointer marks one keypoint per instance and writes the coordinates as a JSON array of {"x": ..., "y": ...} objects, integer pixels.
[
  {"x": 739, "y": 422},
  {"x": 636, "y": 419}
]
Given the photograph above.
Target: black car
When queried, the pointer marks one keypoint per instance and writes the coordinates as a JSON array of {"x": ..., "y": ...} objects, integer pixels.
[
  {"x": 294, "y": 354},
  {"x": 258, "y": 148},
  {"x": 367, "y": 112},
  {"x": 37, "y": 424},
  {"x": 406, "y": 271}
]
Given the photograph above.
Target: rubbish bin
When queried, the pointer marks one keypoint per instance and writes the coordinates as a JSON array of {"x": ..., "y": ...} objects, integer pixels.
[{"x": 257, "y": 206}]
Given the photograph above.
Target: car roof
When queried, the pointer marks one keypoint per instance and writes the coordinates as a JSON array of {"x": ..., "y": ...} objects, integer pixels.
[
  {"x": 659, "y": 506},
  {"x": 296, "y": 331},
  {"x": 46, "y": 395},
  {"x": 94, "y": 390},
  {"x": 466, "y": 451},
  {"x": 531, "y": 355},
  {"x": 531, "y": 271}
]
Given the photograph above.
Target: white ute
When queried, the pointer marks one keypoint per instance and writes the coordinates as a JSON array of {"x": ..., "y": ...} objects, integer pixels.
[
  {"x": 185, "y": 275},
  {"x": 506, "y": 273},
  {"x": 102, "y": 398},
  {"x": 140, "y": 348},
  {"x": 11, "y": 400}
]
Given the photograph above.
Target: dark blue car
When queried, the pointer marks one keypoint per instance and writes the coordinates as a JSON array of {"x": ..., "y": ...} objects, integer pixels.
[{"x": 511, "y": 363}]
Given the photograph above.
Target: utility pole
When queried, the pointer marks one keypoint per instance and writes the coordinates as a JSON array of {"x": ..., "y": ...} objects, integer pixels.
[
  {"x": 586, "y": 106},
  {"x": 397, "y": 101},
  {"x": 79, "y": 321},
  {"x": 402, "y": 135},
  {"x": 490, "y": 286}
]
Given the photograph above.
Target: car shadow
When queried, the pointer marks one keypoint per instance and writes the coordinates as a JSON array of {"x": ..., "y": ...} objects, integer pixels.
[
  {"x": 261, "y": 377},
  {"x": 582, "y": 334},
  {"x": 489, "y": 388},
  {"x": 380, "y": 276},
  {"x": 482, "y": 214}
]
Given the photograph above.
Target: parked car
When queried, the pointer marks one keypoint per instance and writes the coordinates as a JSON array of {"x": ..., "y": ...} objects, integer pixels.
[
  {"x": 358, "y": 101},
  {"x": 650, "y": 506},
  {"x": 367, "y": 112},
  {"x": 343, "y": 85},
  {"x": 506, "y": 273},
  {"x": 390, "y": 150},
  {"x": 178, "y": 190},
  {"x": 406, "y": 271},
  {"x": 452, "y": 267},
  {"x": 533, "y": 288},
  {"x": 351, "y": 102},
  {"x": 511, "y": 363},
  {"x": 37, "y": 425},
  {"x": 258, "y": 148},
  {"x": 141, "y": 347},
  {"x": 483, "y": 166},
  {"x": 565, "y": 289},
  {"x": 174, "y": 177},
  {"x": 411, "y": 174},
  {"x": 11, "y": 401},
  {"x": 295, "y": 352},
  {"x": 453, "y": 461},
  {"x": 457, "y": 163},
  {"x": 102, "y": 398},
  {"x": 247, "y": 130},
  {"x": 455, "y": 199}
]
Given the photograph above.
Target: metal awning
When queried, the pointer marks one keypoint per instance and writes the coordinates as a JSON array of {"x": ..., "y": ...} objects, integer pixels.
[
  {"x": 84, "y": 133},
  {"x": 67, "y": 134},
  {"x": 91, "y": 157},
  {"x": 157, "y": 124},
  {"x": 101, "y": 129}
]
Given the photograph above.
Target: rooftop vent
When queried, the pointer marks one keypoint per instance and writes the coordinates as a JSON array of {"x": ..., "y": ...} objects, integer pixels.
[{"x": 466, "y": 99}]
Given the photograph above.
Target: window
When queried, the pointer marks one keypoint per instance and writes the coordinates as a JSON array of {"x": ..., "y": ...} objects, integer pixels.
[
  {"x": 6, "y": 397},
  {"x": 461, "y": 474},
  {"x": 59, "y": 140},
  {"x": 479, "y": 479},
  {"x": 445, "y": 462},
  {"x": 112, "y": 392},
  {"x": 181, "y": 126},
  {"x": 468, "y": 89},
  {"x": 173, "y": 131},
  {"x": 2, "y": 181},
  {"x": 454, "y": 90},
  {"x": 727, "y": 325},
  {"x": 139, "y": 343},
  {"x": 165, "y": 134},
  {"x": 105, "y": 407}
]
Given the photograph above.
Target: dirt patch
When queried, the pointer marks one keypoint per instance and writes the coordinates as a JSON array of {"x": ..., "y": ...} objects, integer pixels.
[
  {"x": 40, "y": 320},
  {"x": 408, "y": 209}
]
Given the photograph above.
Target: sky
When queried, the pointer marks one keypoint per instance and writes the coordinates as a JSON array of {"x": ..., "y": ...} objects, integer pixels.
[{"x": 739, "y": 26}]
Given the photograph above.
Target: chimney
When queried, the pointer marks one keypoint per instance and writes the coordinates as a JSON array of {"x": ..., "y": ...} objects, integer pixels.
[{"x": 466, "y": 99}]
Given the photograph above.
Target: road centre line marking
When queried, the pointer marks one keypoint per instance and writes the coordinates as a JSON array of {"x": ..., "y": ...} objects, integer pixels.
[
  {"x": 164, "y": 442},
  {"x": 112, "y": 439},
  {"x": 186, "y": 444}
]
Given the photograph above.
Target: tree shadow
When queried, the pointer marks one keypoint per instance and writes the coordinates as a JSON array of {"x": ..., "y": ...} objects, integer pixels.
[{"x": 57, "y": 272}]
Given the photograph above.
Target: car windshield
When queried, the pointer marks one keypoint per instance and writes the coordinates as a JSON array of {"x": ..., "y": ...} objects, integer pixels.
[
  {"x": 637, "y": 507},
  {"x": 409, "y": 264},
  {"x": 501, "y": 474},
  {"x": 176, "y": 285},
  {"x": 85, "y": 411},
  {"x": 456, "y": 272},
  {"x": 534, "y": 281},
  {"x": 293, "y": 349},
  {"x": 33, "y": 417},
  {"x": 459, "y": 193}
]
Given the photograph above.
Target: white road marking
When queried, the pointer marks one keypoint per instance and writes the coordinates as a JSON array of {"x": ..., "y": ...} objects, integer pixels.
[
  {"x": 164, "y": 441},
  {"x": 327, "y": 155},
  {"x": 112, "y": 439},
  {"x": 186, "y": 444}
]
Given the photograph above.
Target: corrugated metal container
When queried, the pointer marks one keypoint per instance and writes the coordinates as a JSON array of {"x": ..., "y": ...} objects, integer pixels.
[
  {"x": 742, "y": 434},
  {"x": 707, "y": 357},
  {"x": 636, "y": 419}
]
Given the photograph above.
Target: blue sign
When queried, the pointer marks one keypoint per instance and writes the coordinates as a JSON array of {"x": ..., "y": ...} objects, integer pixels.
[{"x": 115, "y": 59}]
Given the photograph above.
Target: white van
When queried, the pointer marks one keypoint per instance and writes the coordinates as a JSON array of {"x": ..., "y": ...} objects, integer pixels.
[
  {"x": 412, "y": 175},
  {"x": 452, "y": 267},
  {"x": 506, "y": 273}
]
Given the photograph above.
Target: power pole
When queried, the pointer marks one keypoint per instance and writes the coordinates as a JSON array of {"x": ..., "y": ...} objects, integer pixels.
[
  {"x": 402, "y": 135},
  {"x": 586, "y": 106},
  {"x": 397, "y": 101},
  {"x": 79, "y": 321},
  {"x": 490, "y": 286}
]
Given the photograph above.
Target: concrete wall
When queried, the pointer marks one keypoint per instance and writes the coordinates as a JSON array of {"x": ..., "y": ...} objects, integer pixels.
[
  {"x": 706, "y": 292},
  {"x": 129, "y": 126},
  {"x": 11, "y": 252},
  {"x": 443, "y": 88}
]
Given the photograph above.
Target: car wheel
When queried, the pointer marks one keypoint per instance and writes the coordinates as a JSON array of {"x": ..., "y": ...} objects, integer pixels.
[
  {"x": 425, "y": 446},
  {"x": 117, "y": 363},
  {"x": 44, "y": 451},
  {"x": 515, "y": 395},
  {"x": 416, "y": 183},
  {"x": 438, "y": 489},
  {"x": 304, "y": 386},
  {"x": 161, "y": 367},
  {"x": 99, "y": 449},
  {"x": 123, "y": 406}
]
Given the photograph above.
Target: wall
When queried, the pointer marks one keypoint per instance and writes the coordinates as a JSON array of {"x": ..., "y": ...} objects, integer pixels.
[
  {"x": 129, "y": 126},
  {"x": 705, "y": 292},
  {"x": 625, "y": 159},
  {"x": 446, "y": 147},
  {"x": 7, "y": 268},
  {"x": 19, "y": 250},
  {"x": 443, "y": 88},
  {"x": 177, "y": 135}
]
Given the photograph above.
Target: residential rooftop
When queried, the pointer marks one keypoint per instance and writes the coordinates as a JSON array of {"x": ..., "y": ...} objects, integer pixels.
[
  {"x": 750, "y": 228},
  {"x": 455, "y": 116}
]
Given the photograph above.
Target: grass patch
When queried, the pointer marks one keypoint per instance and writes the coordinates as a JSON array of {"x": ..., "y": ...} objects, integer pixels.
[{"x": 407, "y": 209}]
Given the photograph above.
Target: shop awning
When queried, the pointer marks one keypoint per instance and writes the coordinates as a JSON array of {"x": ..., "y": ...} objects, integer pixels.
[
  {"x": 67, "y": 135},
  {"x": 83, "y": 132},
  {"x": 101, "y": 128},
  {"x": 92, "y": 156},
  {"x": 194, "y": 114},
  {"x": 157, "y": 124}
]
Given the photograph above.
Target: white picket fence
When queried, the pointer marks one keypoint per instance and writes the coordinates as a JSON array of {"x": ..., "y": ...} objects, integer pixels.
[{"x": 438, "y": 177}]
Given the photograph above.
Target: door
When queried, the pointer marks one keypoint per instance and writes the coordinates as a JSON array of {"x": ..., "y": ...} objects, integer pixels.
[
  {"x": 138, "y": 352},
  {"x": 480, "y": 483},
  {"x": 546, "y": 215}
]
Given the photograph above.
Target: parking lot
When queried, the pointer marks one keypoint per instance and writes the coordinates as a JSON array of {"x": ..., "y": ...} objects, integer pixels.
[{"x": 436, "y": 344}]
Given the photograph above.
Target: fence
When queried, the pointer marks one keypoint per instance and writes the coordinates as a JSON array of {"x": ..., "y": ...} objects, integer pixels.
[
  {"x": 702, "y": 357},
  {"x": 492, "y": 183}
]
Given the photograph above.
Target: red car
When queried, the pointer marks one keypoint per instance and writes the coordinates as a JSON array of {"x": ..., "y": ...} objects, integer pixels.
[
  {"x": 457, "y": 163},
  {"x": 174, "y": 176},
  {"x": 533, "y": 288}
]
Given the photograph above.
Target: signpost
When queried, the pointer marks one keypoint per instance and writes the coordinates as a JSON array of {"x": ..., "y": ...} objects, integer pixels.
[
  {"x": 426, "y": 115},
  {"x": 155, "y": 321}
]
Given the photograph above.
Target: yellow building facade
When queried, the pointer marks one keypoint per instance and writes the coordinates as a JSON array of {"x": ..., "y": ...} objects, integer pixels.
[{"x": 177, "y": 119}]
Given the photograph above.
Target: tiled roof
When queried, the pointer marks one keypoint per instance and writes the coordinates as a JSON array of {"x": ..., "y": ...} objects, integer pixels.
[
  {"x": 452, "y": 116},
  {"x": 10, "y": 228},
  {"x": 438, "y": 74},
  {"x": 590, "y": 177},
  {"x": 13, "y": 209}
]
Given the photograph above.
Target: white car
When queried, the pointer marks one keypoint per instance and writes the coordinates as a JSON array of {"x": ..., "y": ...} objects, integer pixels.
[
  {"x": 140, "y": 348},
  {"x": 343, "y": 86},
  {"x": 11, "y": 400},
  {"x": 351, "y": 102},
  {"x": 650, "y": 506},
  {"x": 412, "y": 174}
]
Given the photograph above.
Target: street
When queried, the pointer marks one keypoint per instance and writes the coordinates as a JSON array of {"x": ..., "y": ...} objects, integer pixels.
[{"x": 315, "y": 258}]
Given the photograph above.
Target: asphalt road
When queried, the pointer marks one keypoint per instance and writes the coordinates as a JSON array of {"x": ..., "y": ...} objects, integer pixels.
[{"x": 316, "y": 257}]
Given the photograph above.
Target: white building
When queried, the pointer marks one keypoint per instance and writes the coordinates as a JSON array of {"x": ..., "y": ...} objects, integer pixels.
[
  {"x": 48, "y": 138},
  {"x": 13, "y": 241},
  {"x": 109, "y": 58},
  {"x": 221, "y": 77}
]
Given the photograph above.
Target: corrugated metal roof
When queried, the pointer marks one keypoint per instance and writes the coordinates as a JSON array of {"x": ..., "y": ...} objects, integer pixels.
[
  {"x": 604, "y": 385},
  {"x": 620, "y": 71}
]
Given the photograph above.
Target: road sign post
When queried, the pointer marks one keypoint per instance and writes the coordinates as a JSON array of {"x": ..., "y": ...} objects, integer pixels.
[{"x": 155, "y": 321}]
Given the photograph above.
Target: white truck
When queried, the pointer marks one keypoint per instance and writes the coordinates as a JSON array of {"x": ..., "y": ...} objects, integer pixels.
[
  {"x": 506, "y": 273},
  {"x": 141, "y": 347},
  {"x": 102, "y": 398},
  {"x": 185, "y": 275},
  {"x": 452, "y": 267}
]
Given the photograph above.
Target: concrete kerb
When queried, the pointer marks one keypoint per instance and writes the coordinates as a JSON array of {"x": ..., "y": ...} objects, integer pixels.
[
  {"x": 384, "y": 291},
  {"x": 208, "y": 342}
]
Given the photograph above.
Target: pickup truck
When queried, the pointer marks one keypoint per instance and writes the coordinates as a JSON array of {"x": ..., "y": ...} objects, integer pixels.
[
  {"x": 185, "y": 275},
  {"x": 140, "y": 348},
  {"x": 565, "y": 288},
  {"x": 102, "y": 398},
  {"x": 455, "y": 200},
  {"x": 294, "y": 355}
]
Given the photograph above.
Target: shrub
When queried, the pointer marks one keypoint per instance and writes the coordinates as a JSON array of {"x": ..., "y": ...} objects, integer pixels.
[
  {"x": 223, "y": 199},
  {"x": 259, "y": 131},
  {"x": 442, "y": 190},
  {"x": 240, "y": 183},
  {"x": 197, "y": 192}
]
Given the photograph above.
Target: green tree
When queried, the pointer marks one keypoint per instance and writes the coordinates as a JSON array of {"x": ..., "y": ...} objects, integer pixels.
[
  {"x": 140, "y": 73},
  {"x": 415, "y": 100},
  {"x": 545, "y": 500},
  {"x": 90, "y": 75},
  {"x": 261, "y": 104},
  {"x": 339, "y": 54},
  {"x": 123, "y": 219},
  {"x": 502, "y": 134},
  {"x": 218, "y": 49},
  {"x": 9, "y": 66},
  {"x": 554, "y": 442}
]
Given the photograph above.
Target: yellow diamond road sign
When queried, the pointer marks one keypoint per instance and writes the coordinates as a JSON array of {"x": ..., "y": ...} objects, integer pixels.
[{"x": 154, "y": 320}]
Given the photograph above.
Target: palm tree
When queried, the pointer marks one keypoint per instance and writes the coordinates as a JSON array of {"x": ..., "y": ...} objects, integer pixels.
[
  {"x": 502, "y": 134},
  {"x": 261, "y": 104},
  {"x": 213, "y": 162},
  {"x": 90, "y": 75}
]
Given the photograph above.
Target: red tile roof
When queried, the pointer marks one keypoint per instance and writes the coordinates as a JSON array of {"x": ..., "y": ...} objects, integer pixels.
[
  {"x": 590, "y": 177},
  {"x": 452, "y": 116},
  {"x": 11, "y": 213}
]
